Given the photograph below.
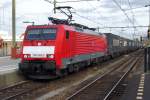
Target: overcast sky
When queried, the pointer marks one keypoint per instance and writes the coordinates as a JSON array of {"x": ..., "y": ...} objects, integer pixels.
[{"x": 96, "y": 13}]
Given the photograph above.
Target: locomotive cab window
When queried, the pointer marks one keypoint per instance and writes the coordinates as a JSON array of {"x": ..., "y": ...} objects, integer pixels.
[
  {"x": 67, "y": 34},
  {"x": 41, "y": 34}
]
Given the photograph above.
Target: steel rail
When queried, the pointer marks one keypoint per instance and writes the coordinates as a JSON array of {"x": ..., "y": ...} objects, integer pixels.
[
  {"x": 86, "y": 86},
  {"x": 22, "y": 93},
  {"x": 120, "y": 80},
  {"x": 14, "y": 85}
]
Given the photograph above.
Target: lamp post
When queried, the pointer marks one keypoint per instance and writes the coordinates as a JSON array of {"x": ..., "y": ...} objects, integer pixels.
[
  {"x": 13, "y": 50},
  {"x": 13, "y": 23}
]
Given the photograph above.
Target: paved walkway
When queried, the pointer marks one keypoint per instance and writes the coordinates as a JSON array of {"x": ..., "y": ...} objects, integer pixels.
[
  {"x": 6, "y": 63},
  {"x": 138, "y": 88}
]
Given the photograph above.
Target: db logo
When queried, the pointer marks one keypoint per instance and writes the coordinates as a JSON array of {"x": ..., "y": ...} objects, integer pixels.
[{"x": 39, "y": 43}]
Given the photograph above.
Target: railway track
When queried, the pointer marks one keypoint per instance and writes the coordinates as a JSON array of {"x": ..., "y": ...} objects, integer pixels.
[
  {"x": 17, "y": 91},
  {"x": 26, "y": 88},
  {"x": 102, "y": 87},
  {"x": 121, "y": 89},
  {"x": 20, "y": 90}
]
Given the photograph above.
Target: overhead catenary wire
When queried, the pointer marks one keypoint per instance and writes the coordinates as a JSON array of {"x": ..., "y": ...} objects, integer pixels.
[
  {"x": 126, "y": 10},
  {"x": 131, "y": 12},
  {"x": 132, "y": 17},
  {"x": 131, "y": 21},
  {"x": 76, "y": 1},
  {"x": 123, "y": 11},
  {"x": 140, "y": 26},
  {"x": 88, "y": 19},
  {"x": 71, "y": 1}
]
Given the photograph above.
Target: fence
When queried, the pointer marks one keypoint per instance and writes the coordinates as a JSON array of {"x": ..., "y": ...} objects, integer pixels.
[{"x": 5, "y": 49}]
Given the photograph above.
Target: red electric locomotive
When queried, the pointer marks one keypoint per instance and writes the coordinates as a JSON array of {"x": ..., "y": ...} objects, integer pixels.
[
  {"x": 49, "y": 50},
  {"x": 55, "y": 50}
]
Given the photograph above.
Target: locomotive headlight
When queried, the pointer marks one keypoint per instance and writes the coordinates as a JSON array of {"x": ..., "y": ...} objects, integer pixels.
[
  {"x": 50, "y": 56},
  {"x": 25, "y": 56}
]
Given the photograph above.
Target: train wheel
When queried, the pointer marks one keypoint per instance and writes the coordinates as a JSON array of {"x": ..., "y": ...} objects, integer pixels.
[
  {"x": 65, "y": 72},
  {"x": 76, "y": 68},
  {"x": 62, "y": 73},
  {"x": 70, "y": 68}
]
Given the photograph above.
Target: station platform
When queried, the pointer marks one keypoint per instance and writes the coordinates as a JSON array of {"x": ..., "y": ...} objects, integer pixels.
[
  {"x": 9, "y": 71},
  {"x": 146, "y": 95},
  {"x": 7, "y": 61},
  {"x": 7, "y": 64},
  {"x": 138, "y": 88}
]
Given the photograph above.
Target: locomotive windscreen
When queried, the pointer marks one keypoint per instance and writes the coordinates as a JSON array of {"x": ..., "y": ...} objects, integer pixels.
[{"x": 41, "y": 34}]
